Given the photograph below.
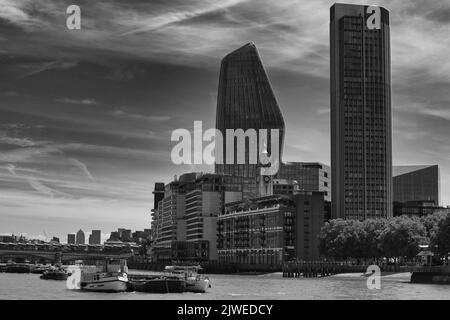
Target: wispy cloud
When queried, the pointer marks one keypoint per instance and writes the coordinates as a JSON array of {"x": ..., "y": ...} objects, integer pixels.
[
  {"x": 82, "y": 167},
  {"x": 88, "y": 102}
]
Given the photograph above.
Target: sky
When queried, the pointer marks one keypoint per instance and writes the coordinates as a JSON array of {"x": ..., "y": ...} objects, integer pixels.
[{"x": 86, "y": 115}]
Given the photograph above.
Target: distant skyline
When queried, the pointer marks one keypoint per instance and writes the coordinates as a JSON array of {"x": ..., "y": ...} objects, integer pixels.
[{"x": 86, "y": 115}]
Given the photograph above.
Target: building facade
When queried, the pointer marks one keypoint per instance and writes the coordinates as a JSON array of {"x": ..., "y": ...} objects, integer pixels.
[
  {"x": 307, "y": 176},
  {"x": 245, "y": 101},
  {"x": 417, "y": 183},
  {"x": 417, "y": 208},
  {"x": 257, "y": 231},
  {"x": 71, "y": 238},
  {"x": 361, "y": 121},
  {"x": 95, "y": 237},
  {"x": 80, "y": 237},
  {"x": 270, "y": 230},
  {"x": 186, "y": 218}
]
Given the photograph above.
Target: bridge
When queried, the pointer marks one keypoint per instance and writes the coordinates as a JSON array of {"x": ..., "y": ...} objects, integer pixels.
[{"x": 61, "y": 256}]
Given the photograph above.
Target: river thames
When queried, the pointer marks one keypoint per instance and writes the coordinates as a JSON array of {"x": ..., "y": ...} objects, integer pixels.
[{"x": 268, "y": 286}]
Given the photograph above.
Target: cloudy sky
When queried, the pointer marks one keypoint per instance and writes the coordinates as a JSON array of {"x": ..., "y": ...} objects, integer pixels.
[{"x": 86, "y": 115}]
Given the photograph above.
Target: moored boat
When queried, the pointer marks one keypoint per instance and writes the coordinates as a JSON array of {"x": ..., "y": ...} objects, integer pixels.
[
  {"x": 105, "y": 282},
  {"x": 111, "y": 277},
  {"x": 40, "y": 269},
  {"x": 14, "y": 267},
  {"x": 159, "y": 284},
  {"x": 55, "y": 274},
  {"x": 194, "y": 281}
]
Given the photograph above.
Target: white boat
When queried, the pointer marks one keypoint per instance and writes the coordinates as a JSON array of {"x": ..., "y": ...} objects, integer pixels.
[
  {"x": 104, "y": 282},
  {"x": 111, "y": 277},
  {"x": 194, "y": 281}
]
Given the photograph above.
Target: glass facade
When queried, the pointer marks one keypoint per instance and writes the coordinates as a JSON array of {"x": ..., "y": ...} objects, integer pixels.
[
  {"x": 245, "y": 101},
  {"x": 361, "y": 128},
  {"x": 417, "y": 183},
  {"x": 308, "y": 176}
]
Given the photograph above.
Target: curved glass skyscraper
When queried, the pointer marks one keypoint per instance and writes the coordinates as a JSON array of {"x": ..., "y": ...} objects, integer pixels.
[{"x": 245, "y": 101}]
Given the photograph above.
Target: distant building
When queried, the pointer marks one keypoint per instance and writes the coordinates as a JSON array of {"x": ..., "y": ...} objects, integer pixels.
[
  {"x": 417, "y": 208},
  {"x": 361, "y": 115},
  {"x": 55, "y": 239},
  {"x": 80, "y": 237},
  {"x": 95, "y": 237},
  {"x": 308, "y": 176},
  {"x": 126, "y": 235},
  {"x": 7, "y": 238},
  {"x": 114, "y": 236},
  {"x": 70, "y": 238},
  {"x": 417, "y": 183}
]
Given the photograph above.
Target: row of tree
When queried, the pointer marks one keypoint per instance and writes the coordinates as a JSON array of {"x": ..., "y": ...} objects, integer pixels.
[{"x": 394, "y": 237}]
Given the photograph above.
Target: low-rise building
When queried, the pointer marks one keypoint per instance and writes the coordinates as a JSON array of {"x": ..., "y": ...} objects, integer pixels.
[{"x": 270, "y": 230}]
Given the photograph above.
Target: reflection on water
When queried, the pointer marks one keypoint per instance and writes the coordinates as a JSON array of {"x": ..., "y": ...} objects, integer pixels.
[{"x": 270, "y": 286}]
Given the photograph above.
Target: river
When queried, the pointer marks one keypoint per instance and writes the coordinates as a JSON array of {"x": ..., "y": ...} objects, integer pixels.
[{"x": 268, "y": 286}]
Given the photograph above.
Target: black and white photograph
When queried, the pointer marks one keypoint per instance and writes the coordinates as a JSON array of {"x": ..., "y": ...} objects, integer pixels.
[{"x": 247, "y": 151}]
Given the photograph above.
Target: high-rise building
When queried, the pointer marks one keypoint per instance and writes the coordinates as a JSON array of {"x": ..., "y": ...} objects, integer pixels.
[
  {"x": 307, "y": 176},
  {"x": 95, "y": 237},
  {"x": 80, "y": 237},
  {"x": 417, "y": 183},
  {"x": 71, "y": 238},
  {"x": 361, "y": 133},
  {"x": 245, "y": 100}
]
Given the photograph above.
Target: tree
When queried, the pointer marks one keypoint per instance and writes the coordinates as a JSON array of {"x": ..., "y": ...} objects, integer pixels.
[
  {"x": 441, "y": 238},
  {"x": 402, "y": 237},
  {"x": 373, "y": 228},
  {"x": 341, "y": 239},
  {"x": 431, "y": 222}
]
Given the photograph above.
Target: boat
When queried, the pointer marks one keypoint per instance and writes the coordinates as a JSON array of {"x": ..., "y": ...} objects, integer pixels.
[
  {"x": 159, "y": 284},
  {"x": 14, "y": 267},
  {"x": 194, "y": 281},
  {"x": 55, "y": 274},
  {"x": 3, "y": 267},
  {"x": 111, "y": 277},
  {"x": 40, "y": 269}
]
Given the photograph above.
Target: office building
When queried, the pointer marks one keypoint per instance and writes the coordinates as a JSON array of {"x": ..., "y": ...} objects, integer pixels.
[
  {"x": 80, "y": 237},
  {"x": 95, "y": 237},
  {"x": 361, "y": 121},
  {"x": 245, "y": 101},
  {"x": 417, "y": 183},
  {"x": 307, "y": 176},
  {"x": 70, "y": 239},
  {"x": 417, "y": 208}
]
